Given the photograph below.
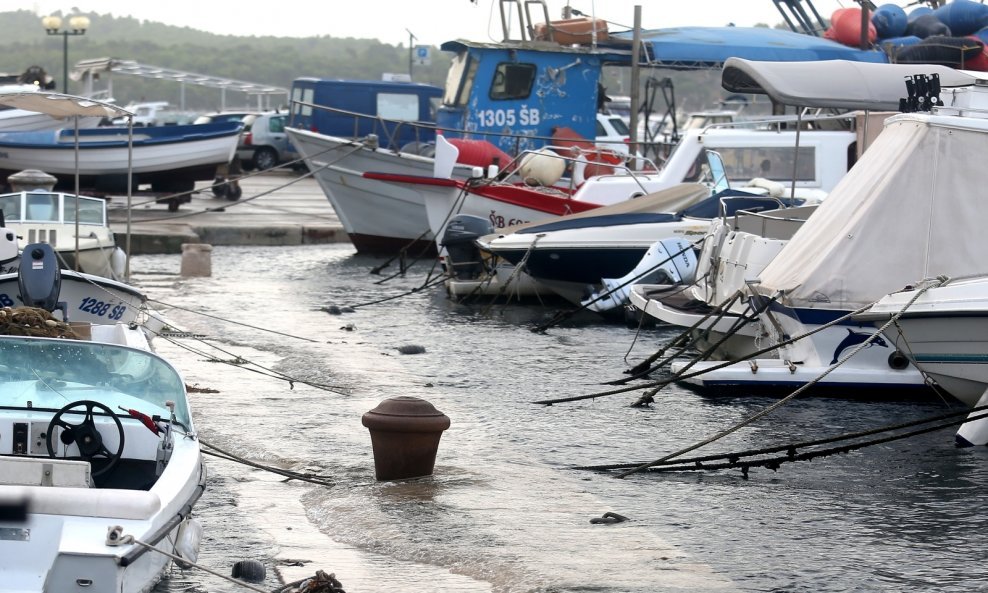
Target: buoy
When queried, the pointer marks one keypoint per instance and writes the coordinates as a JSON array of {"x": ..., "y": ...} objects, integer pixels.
[
  {"x": 405, "y": 433},
  {"x": 845, "y": 27},
  {"x": 196, "y": 259},
  {"x": 251, "y": 571},
  {"x": 542, "y": 167},
  {"x": 963, "y": 17},
  {"x": 890, "y": 21}
]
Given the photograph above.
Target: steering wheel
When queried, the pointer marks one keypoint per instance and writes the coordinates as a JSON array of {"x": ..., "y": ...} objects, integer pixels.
[{"x": 85, "y": 434}]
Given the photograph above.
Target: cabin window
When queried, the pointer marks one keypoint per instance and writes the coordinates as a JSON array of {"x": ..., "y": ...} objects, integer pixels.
[
  {"x": 90, "y": 210},
  {"x": 11, "y": 207},
  {"x": 459, "y": 80},
  {"x": 776, "y": 163},
  {"x": 512, "y": 81},
  {"x": 42, "y": 207},
  {"x": 398, "y": 106}
]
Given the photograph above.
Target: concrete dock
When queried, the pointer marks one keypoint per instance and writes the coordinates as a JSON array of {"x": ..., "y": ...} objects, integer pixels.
[{"x": 278, "y": 207}]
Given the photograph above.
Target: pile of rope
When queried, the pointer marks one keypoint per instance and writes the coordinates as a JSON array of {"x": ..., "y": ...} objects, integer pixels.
[{"x": 34, "y": 322}]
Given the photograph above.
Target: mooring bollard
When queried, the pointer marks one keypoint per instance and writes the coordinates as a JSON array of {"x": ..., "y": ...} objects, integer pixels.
[
  {"x": 405, "y": 433},
  {"x": 197, "y": 259}
]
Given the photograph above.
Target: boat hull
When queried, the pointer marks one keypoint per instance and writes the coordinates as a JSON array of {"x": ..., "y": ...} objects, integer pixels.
[
  {"x": 171, "y": 160},
  {"x": 379, "y": 218}
]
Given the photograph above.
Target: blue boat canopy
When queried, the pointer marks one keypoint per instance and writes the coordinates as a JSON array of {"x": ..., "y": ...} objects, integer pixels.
[{"x": 695, "y": 48}]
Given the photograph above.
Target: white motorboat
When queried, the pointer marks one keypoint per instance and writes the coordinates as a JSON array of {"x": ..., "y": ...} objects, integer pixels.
[
  {"x": 77, "y": 227},
  {"x": 100, "y": 466},
  {"x": 942, "y": 330},
  {"x": 940, "y": 327},
  {"x": 902, "y": 212}
]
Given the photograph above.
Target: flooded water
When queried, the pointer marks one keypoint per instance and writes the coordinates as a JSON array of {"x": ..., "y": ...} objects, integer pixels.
[{"x": 505, "y": 510}]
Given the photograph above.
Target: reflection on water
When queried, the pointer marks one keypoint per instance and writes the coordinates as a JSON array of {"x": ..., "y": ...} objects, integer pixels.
[{"x": 505, "y": 510}]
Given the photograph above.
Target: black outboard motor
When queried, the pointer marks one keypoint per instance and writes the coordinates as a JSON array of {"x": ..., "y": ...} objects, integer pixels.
[
  {"x": 40, "y": 279},
  {"x": 464, "y": 260}
]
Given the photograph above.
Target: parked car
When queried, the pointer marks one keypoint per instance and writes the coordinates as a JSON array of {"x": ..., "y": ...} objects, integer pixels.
[{"x": 264, "y": 143}]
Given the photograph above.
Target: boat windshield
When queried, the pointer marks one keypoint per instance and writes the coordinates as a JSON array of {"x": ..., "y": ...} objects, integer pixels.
[
  {"x": 48, "y": 373},
  {"x": 43, "y": 206}
]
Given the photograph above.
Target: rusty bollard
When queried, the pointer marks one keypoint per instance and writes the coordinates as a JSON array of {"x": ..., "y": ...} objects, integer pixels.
[{"x": 405, "y": 433}]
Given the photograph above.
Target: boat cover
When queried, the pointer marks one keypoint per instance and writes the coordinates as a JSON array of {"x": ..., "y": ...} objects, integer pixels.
[
  {"x": 61, "y": 106},
  {"x": 710, "y": 47},
  {"x": 839, "y": 84},
  {"x": 909, "y": 209}
]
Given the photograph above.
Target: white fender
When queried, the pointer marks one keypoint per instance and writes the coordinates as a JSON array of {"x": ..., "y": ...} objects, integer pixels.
[
  {"x": 679, "y": 269},
  {"x": 975, "y": 432}
]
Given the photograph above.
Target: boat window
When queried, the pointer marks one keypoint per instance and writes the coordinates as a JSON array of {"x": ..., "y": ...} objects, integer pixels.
[
  {"x": 52, "y": 373},
  {"x": 90, "y": 210},
  {"x": 398, "y": 106},
  {"x": 745, "y": 163},
  {"x": 512, "y": 81},
  {"x": 459, "y": 80},
  {"x": 11, "y": 207},
  {"x": 42, "y": 206},
  {"x": 305, "y": 96}
]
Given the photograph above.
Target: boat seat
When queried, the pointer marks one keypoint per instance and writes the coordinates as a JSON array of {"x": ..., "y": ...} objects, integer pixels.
[
  {"x": 85, "y": 502},
  {"x": 46, "y": 472}
]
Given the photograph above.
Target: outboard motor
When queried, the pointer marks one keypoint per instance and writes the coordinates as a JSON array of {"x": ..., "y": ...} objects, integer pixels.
[
  {"x": 40, "y": 279},
  {"x": 464, "y": 260}
]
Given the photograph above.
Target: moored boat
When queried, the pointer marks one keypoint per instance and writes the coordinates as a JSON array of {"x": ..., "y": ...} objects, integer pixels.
[{"x": 102, "y": 468}]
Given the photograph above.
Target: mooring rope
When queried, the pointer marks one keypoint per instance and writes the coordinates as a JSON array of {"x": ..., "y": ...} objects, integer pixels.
[
  {"x": 769, "y": 409},
  {"x": 726, "y": 363},
  {"x": 734, "y": 459}
]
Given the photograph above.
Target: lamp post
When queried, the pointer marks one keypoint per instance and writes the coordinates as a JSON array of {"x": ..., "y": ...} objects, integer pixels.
[{"x": 77, "y": 26}]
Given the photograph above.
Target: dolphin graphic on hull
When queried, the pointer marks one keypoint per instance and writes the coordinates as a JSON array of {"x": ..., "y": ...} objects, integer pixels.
[{"x": 853, "y": 339}]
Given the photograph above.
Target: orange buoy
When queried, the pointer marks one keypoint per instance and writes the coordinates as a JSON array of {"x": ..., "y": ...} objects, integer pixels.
[
  {"x": 845, "y": 27},
  {"x": 479, "y": 153}
]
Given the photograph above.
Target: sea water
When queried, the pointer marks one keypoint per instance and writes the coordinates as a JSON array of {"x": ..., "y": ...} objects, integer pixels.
[{"x": 278, "y": 380}]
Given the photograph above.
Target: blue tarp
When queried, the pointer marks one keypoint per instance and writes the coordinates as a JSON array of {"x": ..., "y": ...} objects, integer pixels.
[{"x": 709, "y": 47}]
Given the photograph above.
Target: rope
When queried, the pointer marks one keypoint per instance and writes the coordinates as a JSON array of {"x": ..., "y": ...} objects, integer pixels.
[
  {"x": 127, "y": 539},
  {"x": 227, "y": 320},
  {"x": 303, "y": 477},
  {"x": 646, "y": 367},
  {"x": 241, "y": 201},
  {"x": 427, "y": 284},
  {"x": 734, "y": 459},
  {"x": 726, "y": 363},
  {"x": 867, "y": 342}
]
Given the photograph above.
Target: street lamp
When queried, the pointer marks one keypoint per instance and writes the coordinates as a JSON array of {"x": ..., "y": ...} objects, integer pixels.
[{"x": 77, "y": 26}]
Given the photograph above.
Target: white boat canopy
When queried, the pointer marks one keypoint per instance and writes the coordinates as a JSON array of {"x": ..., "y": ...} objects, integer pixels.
[
  {"x": 909, "y": 209},
  {"x": 837, "y": 84}
]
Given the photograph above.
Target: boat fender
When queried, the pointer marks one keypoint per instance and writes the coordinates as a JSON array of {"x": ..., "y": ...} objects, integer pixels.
[
  {"x": 542, "y": 168},
  {"x": 118, "y": 262},
  {"x": 251, "y": 571},
  {"x": 898, "y": 361},
  {"x": 187, "y": 542}
]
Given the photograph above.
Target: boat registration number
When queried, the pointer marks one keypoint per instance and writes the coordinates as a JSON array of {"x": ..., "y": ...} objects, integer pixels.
[
  {"x": 15, "y": 534},
  {"x": 490, "y": 118},
  {"x": 89, "y": 305}
]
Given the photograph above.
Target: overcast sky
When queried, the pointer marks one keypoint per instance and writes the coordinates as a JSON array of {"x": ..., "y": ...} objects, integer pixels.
[{"x": 431, "y": 21}]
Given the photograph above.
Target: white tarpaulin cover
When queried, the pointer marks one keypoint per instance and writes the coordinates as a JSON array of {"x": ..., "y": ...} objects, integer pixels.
[
  {"x": 60, "y": 106},
  {"x": 914, "y": 206}
]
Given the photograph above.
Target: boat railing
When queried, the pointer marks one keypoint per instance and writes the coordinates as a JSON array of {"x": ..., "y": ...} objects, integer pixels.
[
  {"x": 389, "y": 133},
  {"x": 772, "y": 224}
]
